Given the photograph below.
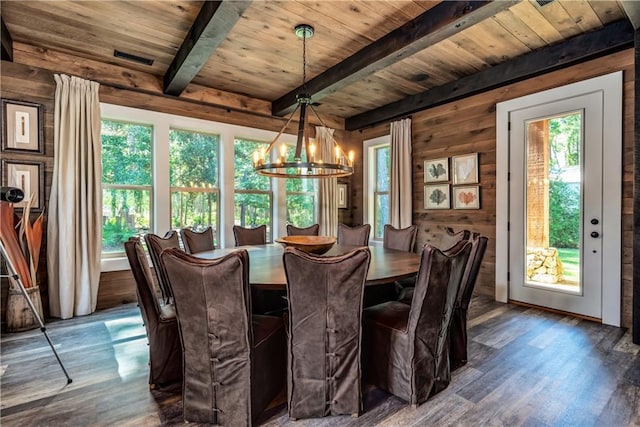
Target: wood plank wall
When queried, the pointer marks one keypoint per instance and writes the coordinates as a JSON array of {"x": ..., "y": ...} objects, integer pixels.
[{"x": 468, "y": 126}]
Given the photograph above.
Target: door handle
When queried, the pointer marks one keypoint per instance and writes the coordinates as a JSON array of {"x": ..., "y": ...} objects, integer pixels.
[{"x": 595, "y": 234}]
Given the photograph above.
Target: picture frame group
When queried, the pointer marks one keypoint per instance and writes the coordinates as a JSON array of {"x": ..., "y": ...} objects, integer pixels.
[
  {"x": 22, "y": 133},
  {"x": 452, "y": 184}
]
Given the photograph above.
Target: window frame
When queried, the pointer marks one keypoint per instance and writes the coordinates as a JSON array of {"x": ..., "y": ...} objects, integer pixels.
[
  {"x": 161, "y": 194},
  {"x": 370, "y": 183}
]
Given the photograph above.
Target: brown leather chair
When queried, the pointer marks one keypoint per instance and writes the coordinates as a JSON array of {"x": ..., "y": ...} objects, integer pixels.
[
  {"x": 400, "y": 239},
  {"x": 155, "y": 245},
  {"x": 325, "y": 311},
  {"x": 233, "y": 362},
  {"x": 458, "y": 331},
  {"x": 312, "y": 230},
  {"x": 165, "y": 350},
  {"x": 405, "y": 348},
  {"x": 449, "y": 239},
  {"x": 195, "y": 242},
  {"x": 250, "y": 236},
  {"x": 354, "y": 236}
]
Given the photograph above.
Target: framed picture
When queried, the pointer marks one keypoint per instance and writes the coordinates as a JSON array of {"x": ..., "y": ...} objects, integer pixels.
[
  {"x": 22, "y": 126},
  {"x": 437, "y": 196},
  {"x": 466, "y": 197},
  {"x": 436, "y": 170},
  {"x": 29, "y": 177},
  {"x": 465, "y": 169},
  {"x": 343, "y": 196}
]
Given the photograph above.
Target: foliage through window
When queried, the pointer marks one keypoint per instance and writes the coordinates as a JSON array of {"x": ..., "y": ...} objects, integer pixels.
[
  {"x": 253, "y": 195},
  {"x": 381, "y": 173},
  {"x": 193, "y": 175},
  {"x": 301, "y": 199},
  {"x": 126, "y": 182}
]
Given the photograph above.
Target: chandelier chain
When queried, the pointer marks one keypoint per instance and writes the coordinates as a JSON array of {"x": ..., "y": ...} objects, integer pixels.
[{"x": 304, "y": 60}]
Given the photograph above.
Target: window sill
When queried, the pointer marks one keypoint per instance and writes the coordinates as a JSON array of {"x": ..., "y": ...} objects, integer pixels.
[{"x": 114, "y": 264}]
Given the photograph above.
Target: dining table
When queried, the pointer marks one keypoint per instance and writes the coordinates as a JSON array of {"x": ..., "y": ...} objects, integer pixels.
[{"x": 266, "y": 270}]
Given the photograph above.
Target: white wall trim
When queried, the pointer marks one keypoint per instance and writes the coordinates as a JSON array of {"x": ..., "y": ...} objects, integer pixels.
[
  {"x": 611, "y": 86},
  {"x": 368, "y": 179}
]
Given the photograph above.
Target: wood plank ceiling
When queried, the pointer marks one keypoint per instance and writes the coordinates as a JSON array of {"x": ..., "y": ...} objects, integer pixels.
[{"x": 261, "y": 58}]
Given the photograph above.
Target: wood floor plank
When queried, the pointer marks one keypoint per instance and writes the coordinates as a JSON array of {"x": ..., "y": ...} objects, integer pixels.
[{"x": 526, "y": 368}]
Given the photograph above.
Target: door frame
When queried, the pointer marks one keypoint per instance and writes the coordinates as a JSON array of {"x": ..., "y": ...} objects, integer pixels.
[{"x": 611, "y": 87}]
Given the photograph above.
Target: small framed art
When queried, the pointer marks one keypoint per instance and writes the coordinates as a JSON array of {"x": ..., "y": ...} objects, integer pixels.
[
  {"x": 466, "y": 197},
  {"x": 29, "y": 177},
  {"x": 437, "y": 196},
  {"x": 22, "y": 126},
  {"x": 436, "y": 170},
  {"x": 465, "y": 169},
  {"x": 343, "y": 196}
]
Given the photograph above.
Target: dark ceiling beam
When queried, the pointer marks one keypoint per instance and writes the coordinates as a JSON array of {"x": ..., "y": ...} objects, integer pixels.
[
  {"x": 609, "y": 39},
  {"x": 632, "y": 9},
  {"x": 7, "y": 42},
  {"x": 213, "y": 23},
  {"x": 438, "y": 23}
]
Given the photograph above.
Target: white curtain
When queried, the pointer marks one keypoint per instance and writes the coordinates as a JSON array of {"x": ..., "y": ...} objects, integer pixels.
[
  {"x": 74, "y": 230},
  {"x": 327, "y": 188},
  {"x": 400, "y": 193}
]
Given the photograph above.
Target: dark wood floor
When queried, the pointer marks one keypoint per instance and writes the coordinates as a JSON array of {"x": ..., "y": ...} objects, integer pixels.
[{"x": 527, "y": 368}]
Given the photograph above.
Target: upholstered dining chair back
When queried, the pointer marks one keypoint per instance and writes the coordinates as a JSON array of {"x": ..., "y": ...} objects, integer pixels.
[
  {"x": 449, "y": 239},
  {"x": 233, "y": 362},
  {"x": 325, "y": 309},
  {"x": 165, "y": 350},
  {"x": 401, "y": 239},
  {"x": 312, "y": 230},
  {"x": 405, "y": 348},
  {"x": 155, "y": 245},
  {"x": 195, "y": 242},
  {"x": 250, "y": 236},
  {"x": 354, "y": 236},
  {"x": 458, "y": 332}
]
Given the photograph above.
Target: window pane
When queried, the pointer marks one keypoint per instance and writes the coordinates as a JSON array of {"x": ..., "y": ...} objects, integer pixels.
[
  {"x": 383, "y": 161},
  {"x": 301, "y": 210},
  {"x": 193, "y": 159},
  {"x": 381, "y": 215},
  {"x": 245, "y": 177},
  {"x": 196, "y": 210},
  {"x": 125, "y": 213},
  {"x": 126, "y": 153},
  {"x": 252, "y": 210}
]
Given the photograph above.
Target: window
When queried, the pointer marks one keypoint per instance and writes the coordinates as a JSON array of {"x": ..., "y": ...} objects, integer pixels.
[
  {"x": 126, "y": 182},
  {"x": 193, "y": 177},
  {"x": 301, "y": 199},
  {"x": 377, "y": 162},
  {"x": 253, "y": 193}
]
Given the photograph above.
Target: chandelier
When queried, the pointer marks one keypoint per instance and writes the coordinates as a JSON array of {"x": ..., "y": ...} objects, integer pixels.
[{"x": 308, "y": 160}]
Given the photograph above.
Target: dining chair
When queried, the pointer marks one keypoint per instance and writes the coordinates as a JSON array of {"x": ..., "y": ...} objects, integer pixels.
[
  {"x": 400, "y": 239},
  {"x": 405, "y": 348},
  {"x": 325, "y": 311},
  {"x": 354, "y": 236},
  {"x": 195, "y": 242},
  {"x": 250, "y": 236},
  {"x": 458, "y": 331},
  {"x": 312, "y": 230},
  {"x": 233, "y": 361},
  {"x": 155, "y": 246},
  {"x": 165, "y": 349},
  {"x": 447, "y": 241}
]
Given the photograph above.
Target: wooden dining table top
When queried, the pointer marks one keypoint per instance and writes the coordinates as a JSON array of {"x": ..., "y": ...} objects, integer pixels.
[{"x": 266, "y": 269}]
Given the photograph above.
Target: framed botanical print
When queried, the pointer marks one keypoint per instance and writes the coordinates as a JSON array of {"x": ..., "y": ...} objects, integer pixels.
[
  {"x": 466, "y": 197},
  {"x": 437, "y": 196},
  {"x": 436, "y": 170},
  {"x": 29, "y": 177},
  {"x": 465, "y": 169}
]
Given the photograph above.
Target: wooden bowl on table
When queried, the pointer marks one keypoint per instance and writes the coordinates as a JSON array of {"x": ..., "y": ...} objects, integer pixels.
[{"x": 311, "y": 244}]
